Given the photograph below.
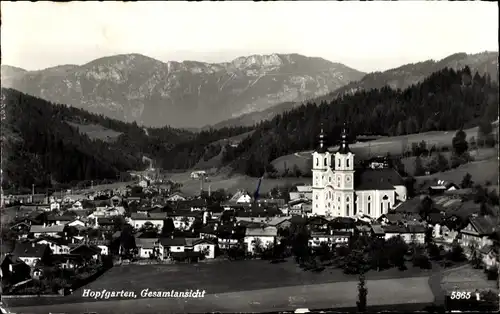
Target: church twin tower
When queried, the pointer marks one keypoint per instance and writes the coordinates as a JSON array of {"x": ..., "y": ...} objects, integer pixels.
[{"x": 333, "y": 180}]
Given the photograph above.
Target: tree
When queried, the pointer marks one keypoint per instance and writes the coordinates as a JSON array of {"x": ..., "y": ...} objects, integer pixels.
[
  {"x": 459, "y": 142},
  {"x": 362, "y": 294},
  {"x": 419, "y": 168},
  {"x": 456, "y": 254},
  {"x": 422, "y": 261},
  {"x": 485, "y": 136},
  {"x": 168, "y": 227},
  {"x": 475, "y": 259},
  {"x": 443, "y": 163},
  {"x": 409, "y": 183},
  {"x": 396, "y": 250},
  {"x": 467, "y": 181},
  {"x": 296, "y": 171}
]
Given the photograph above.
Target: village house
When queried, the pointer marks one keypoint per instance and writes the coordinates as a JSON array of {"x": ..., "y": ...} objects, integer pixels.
[
  {"x": 239, "y": 198},
  {"x": 263, "y": 236},
  {"x": 176, "y": 197},
  {"x": 171, "y": 245},
  {"x": 149, "y": 247},
  {"x": 32, "y": 253},
  {"x": 333, "y": 237},
  {"x": 77, "y": 223},
  {"x": 184, "y": 219},
  {"x": 59, "y": 219},
  {"x": 77, "y": 206},
  {"x": 143, "y": 184},
  {"x": 277, "y": 222},
  {"x": 298, "y": 195},
  {"x": 409, "y": 232},
  {"x": 13, "y": 270},
  {"x": 86, "y": 251},
  {"x": 105, "y": 223},
  {"x": 489, "y": 256},
  {"x": 49, "y": 231},
  {"x": 67, "y": 261},
  {"x": 108, "y": 211},
  {"x": 477, "y": 232},
  {"x": 56, "y": 245},
  {"x": 205, "y": 246},
  {"x": 139, "y": 220}
]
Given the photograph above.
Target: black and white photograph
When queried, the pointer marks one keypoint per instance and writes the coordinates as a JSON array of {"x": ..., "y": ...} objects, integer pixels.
[{"x": 249, "y": 157}]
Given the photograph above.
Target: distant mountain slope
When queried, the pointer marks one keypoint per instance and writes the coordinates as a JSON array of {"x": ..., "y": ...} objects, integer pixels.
[
  {"x": 400, "y": 77},
  {"x": 134, "y": 87}
]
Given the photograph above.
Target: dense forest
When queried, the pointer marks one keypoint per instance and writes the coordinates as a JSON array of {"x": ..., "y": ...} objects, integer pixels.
[{"x": 446, "y": 100}]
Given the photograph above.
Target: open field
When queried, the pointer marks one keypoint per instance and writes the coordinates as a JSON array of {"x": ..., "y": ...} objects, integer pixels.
[
  {"x": 481, "y": 172},
  {"x": 480, "y": 154},
  {"x": 231, "y": 184},
  {"x": 466, "y": 278},
  {"x": 96, "y": 131},
  {"x": 246, "y": 286},
  {"x": 394, "y": 145}
]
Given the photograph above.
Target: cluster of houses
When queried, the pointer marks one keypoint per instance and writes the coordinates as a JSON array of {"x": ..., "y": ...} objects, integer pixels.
[{"x": 73, "y": 230}]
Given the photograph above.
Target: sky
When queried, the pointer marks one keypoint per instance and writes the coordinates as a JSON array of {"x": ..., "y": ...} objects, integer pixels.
[{"x": 368, "y": 36}]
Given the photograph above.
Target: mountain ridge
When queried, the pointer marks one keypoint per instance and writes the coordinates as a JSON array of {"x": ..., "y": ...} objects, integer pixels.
[
  {"x": 399, "y": 77},
  {"x": 134, "y": 87}
]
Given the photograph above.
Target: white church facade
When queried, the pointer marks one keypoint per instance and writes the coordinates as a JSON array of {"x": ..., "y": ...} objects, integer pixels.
[{"x": 340, "y": 190}]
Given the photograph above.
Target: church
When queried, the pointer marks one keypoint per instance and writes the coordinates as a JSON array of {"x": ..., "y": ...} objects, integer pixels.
[{"x": 339, "y": 189}]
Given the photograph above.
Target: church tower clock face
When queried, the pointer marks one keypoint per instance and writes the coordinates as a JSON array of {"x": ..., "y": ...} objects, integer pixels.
[{"x": 348, "y": 180}]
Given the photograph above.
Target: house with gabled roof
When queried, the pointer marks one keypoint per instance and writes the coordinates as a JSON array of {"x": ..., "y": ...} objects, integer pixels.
[
  {"x": 478, "y": 231},
  {"x": 148, "y": 247},
  {"x": 32, "y": 253},
  {"x": 333, "y": 237},
  {"x": 264, "y": 236},
  {"x": 176, "y": 197},
  {"x": 56, "y": 245},
  {"x": 139, "y": 220},
  {"x": 49, "y": 231}
]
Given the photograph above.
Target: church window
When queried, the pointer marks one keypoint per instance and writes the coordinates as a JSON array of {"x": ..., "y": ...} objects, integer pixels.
[
  {"x": 348, "y": 163},
  {"x": 354, "y": 210},
  {"x": 325, "y": 162},
  {"x": 347, "y": 210},
  {"x": 328, "y": 204},
  {"x": 316, "y": 196},
  {"x": 329, "y": 179},
  {"x": 347, "y": 199},
  {"x": 369, "y": 208},
  {"x": 339, "y": 199},
  {"x": 369, "y": 198},
  {"x": 339, "y": 163},
  {"x": 382, "y": 208},
  {"x": 317, "y": 161}
]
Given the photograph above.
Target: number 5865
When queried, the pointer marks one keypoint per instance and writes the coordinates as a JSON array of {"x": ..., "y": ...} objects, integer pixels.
[{"x": 459, "y": 295}]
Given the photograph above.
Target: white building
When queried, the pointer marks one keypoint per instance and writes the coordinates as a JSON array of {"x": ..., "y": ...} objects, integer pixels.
[
  {"x": 263, "y": 236},
  {"x": 338, "y": 191}
]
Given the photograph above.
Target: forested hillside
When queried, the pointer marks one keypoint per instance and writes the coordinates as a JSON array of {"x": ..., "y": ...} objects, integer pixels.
[
  {"x": 446, "y": 100},
  {"x": 39, "y": 147},
  {"x": 43, "y": 145}
]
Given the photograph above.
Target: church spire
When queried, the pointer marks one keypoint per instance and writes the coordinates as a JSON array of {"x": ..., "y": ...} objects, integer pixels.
[
  {"x": 344, "y": 144},
  {"x": 322, "y": 147}
]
